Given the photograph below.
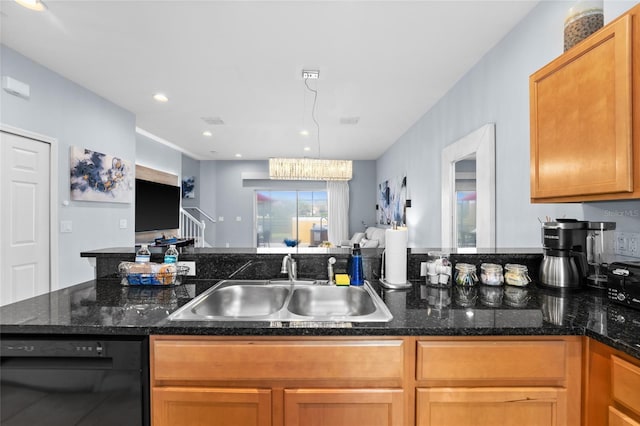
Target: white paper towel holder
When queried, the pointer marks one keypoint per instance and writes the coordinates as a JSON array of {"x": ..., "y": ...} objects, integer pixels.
[{"x": 387, "y": 284}]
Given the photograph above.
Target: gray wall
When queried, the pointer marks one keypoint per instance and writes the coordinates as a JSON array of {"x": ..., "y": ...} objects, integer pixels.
[
  {"x": 191, "y": 167},
  {"x": 155, "y": 155},
  {"x": 224, "y": 194},
  {"x": 362, "y": 196},
  {"x": 61, "y": 109},
  {"x": 495, "y": 90}
]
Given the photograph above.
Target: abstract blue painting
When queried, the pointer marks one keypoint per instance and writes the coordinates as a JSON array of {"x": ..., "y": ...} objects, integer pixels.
[
  {"x": 189, "y": 187},
  {"x": 100, "y": 177},
  {"x": 392, "y": 198}
]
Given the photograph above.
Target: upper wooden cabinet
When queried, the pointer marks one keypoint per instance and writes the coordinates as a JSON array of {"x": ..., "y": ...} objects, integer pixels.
[{"x": 585, "y": 118}]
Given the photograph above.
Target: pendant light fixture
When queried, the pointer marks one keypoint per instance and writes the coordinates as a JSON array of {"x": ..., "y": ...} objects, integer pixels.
[
  {"x": 36, "y": 5},
  {"x": 310, "y": 168}
]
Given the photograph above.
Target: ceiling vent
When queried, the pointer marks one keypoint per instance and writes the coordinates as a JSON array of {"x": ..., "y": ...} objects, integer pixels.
[
  {"x": 349, "y": 120},
  {"x": 215, "y": 121}
]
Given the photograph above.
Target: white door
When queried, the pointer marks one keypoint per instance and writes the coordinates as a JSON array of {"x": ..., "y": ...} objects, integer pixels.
[{"x": 24, "y": 218}]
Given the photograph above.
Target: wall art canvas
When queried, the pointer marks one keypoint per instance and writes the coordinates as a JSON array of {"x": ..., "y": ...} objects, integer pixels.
[
  {"x": 189, "y": 187},
  {"x": 392, "y": 197},
  {"x": 100, "y": 177}
]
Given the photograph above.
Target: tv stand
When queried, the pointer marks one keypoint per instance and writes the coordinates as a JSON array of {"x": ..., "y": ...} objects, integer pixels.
[{"x": 166, "y": 242}]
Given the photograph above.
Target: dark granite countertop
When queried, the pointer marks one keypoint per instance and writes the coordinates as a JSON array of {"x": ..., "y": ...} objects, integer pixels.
[{"x": 104, "y": 307}]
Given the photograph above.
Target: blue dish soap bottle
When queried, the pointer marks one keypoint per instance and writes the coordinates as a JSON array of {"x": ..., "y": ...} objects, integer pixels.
[{"x": 356, "y": 272}]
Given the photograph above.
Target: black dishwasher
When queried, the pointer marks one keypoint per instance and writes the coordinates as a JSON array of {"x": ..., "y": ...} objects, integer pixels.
[{"x": 78, "y": 381}]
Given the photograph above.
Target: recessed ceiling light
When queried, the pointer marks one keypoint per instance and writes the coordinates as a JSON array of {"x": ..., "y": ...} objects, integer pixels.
[
  {"x": 207, "y": 133},
  {"x": 306, "y": 148},
  {"x": 160, "y": 97},
  {"x": 304, "y": 133},
  {"x": 36, "y": 5},
  {"x": 238, "y": 155}
]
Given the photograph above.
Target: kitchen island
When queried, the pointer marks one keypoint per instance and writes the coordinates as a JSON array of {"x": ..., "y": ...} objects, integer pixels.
[{"x": 406, "y": 369}]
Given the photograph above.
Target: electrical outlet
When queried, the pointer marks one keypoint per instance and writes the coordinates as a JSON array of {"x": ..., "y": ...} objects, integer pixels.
[
  {"x": 633, "y": 246},
  {"x": 191, "y": 265},
  {"x": 627, "y": 244},
  {"x": 423, "y": 269}
]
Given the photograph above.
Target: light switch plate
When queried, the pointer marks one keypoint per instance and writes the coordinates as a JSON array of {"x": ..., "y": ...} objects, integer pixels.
[
  {"x": 66, "y": 226},
  {"x": 123, "y": 223}
]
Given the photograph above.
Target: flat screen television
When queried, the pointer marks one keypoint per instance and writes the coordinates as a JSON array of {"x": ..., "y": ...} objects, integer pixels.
[{"x": 157, "y": 206}]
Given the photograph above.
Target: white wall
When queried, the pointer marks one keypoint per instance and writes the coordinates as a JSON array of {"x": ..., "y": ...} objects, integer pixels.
[
  {"x": 495, "y": 90},
  {"x": 74, "y": 116}
]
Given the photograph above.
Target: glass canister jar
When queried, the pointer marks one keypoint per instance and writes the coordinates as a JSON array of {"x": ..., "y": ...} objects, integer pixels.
[
  {"x": 491, "y": 274},
  {"x": 466, "y": 274},
  {"x": 516, "y": 274}
]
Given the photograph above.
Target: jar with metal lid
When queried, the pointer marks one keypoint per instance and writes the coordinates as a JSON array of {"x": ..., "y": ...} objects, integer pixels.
[
  {"x": 516, "y": 274},
  {"x": 491, "y": 274},
  {"x": 466, "y": 274}
]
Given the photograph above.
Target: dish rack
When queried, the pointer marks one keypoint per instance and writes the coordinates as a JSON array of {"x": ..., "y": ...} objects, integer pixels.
[{"x": 152, "y": 274}]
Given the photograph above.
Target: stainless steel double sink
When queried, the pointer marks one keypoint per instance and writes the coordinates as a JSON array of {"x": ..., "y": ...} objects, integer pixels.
[{"x": 284, "y": 300}]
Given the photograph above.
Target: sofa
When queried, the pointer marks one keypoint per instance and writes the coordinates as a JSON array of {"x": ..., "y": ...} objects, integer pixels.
[{"x": 372, "y": 237}]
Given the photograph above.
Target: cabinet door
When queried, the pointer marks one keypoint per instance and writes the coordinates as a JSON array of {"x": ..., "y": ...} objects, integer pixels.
[
  {"x": 343, "y": 407},
  {"x": 173, "y": 406},
  {"x": 625, "y": 383},
  {"x": 616, "y": 418},
  {"x": 581, "y": 118},
  {"x": 491, "y": 406}
]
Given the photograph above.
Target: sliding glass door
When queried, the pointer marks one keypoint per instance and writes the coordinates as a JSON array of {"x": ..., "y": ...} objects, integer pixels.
[{"x": 291, "y": 218}]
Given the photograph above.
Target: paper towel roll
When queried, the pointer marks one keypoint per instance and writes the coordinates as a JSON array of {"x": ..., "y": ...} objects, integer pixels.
[{"x": 395, "y": 263}]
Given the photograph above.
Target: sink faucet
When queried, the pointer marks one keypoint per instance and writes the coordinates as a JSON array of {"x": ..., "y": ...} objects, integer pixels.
[
  {"x": 289, "y": 267},
  {"x": 330, "y": 262}
]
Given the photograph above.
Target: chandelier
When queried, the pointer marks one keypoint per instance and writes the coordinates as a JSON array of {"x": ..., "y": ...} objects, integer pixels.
[{"x": 309, "y": 169}]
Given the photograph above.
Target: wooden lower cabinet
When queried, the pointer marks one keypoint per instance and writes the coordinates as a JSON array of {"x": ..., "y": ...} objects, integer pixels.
[
  {"x": 343, "y": 407},
  {"x": 616, "y": 418},
  {"x": 280, "y": 381},
  {"x": 359, "y": 381},
  {"x": 611, "y": 386},
  {"x": 493, "y": 381},
  {"x": 207, "y": 406},
  {"x": 491, "y": 406}
]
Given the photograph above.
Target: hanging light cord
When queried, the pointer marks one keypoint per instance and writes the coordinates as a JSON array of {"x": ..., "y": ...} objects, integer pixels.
[{"x": 313, "y": 113}]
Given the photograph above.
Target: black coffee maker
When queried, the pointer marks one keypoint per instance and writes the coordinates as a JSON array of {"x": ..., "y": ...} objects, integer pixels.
[{"x": 564, "y": 243}]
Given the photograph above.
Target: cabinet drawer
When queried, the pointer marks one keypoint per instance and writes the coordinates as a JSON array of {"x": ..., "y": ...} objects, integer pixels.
[
  {"x": 625, "y": 383},
  {"x": 616, "y": 418},
  {"x": 536, "y": 361},
  {"x": 331, "y": 360}
]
